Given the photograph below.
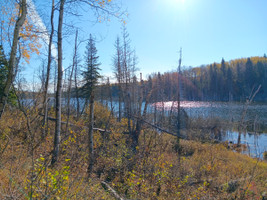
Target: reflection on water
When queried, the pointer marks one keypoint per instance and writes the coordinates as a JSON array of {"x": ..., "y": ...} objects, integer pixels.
[
  {"x": 256, "y": 143},
  {"x": 226, "y": 111},
  {"x": 256, "y": 119},
  {"x": 184, "y": 104}
]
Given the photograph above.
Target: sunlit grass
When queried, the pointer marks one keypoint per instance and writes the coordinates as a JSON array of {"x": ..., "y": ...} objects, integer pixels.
[{"x": 202, "y": 171}]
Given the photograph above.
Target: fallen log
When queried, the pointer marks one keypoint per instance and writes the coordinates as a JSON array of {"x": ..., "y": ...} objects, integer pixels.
[
  {"x": 159, "y": 128},
  {"x": 85, "y": 127}
]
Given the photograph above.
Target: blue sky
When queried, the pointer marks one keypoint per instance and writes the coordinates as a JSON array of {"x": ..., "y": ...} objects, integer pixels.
[{"x": 207, "y": 31}]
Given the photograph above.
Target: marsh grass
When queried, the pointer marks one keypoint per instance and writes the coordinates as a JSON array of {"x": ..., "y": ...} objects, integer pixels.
[{"x": 206, "y": 170}]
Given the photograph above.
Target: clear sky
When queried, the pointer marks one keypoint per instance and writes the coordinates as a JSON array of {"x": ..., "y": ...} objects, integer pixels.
[{"x": 207, "y": 31}]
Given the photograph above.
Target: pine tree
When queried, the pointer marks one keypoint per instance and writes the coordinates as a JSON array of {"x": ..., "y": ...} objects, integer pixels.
[
  {"x": 3, "y": 70},
  {"x": 249, "y": 76},
  {"x": 3, "y": 77},
  {"x": 90, "y": 76},
  {"x": 91, "y": 72}
]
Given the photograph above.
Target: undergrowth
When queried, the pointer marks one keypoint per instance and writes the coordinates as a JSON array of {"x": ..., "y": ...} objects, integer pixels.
[{"x": 154, "y": 171}]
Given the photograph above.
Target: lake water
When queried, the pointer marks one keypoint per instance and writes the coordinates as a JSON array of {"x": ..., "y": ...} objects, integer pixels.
[
  {"x": 227, "y": 111},
  {"x": 256, "y": 143},
  {"x": 256, "y": 113}
]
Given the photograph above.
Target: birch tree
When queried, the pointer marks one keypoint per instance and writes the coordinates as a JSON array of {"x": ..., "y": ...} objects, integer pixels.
[
  {"x": 12, "y": 60},
  {"x": 45, "y": 121},
  {"x": 59, "y": 85}
]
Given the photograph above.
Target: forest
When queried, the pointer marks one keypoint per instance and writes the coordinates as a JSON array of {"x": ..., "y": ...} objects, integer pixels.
[
  {"x": 81, "y": 135},
  {"x": 225, "y": 81}
]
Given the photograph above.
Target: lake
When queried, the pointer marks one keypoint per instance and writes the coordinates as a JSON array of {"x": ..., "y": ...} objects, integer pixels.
[
  {"x": 256, "y": 116},
  {"x": 256, "y": 140},
  {"x": 224, "y": 110}
]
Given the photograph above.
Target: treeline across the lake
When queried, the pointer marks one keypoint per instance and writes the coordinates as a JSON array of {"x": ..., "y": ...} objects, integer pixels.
[
  {"x": 235, "y": 80},
  {"x": 228, "y": 81}
]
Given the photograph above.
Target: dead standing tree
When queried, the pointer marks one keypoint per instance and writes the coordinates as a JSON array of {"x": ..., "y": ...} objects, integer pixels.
[
  {"x": 105, "y": 7},
  {"x": 126, "y": 56},
  {"x": 45, "y": 120},
  {"x": 74, "y": 65},
  {"x": 140, "y": 118},
  {"x": 59, "y": 85},
  {"x": 178, "y": 148},
  {"x": 117, "y": 63},
  {"x": 242, "y": 125}
]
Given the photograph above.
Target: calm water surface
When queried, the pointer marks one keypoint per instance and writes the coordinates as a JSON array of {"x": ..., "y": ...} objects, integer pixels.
[
  {"x": 256, "y": 141},
  {"x": 230, "y": 111}
]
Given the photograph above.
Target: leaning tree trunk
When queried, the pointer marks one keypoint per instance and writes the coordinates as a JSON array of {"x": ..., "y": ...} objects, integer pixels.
[
  {"x": 242, "y": 125},
  {"x": 12, "y": 60},
  {"x": 59, "y": 86}
]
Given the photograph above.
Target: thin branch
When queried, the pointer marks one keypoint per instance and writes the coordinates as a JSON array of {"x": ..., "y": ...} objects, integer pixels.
[
  {"x": 62, "y": 122},
  {"x": 158, "y": 128},
  {"x": 110, "y": 189}
]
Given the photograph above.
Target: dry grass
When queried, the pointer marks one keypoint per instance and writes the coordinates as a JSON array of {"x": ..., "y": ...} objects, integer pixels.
[{"x": 203, "y": 171}]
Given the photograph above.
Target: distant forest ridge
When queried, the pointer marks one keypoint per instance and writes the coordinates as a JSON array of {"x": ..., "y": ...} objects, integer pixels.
[{"x": 226, "y": 81}]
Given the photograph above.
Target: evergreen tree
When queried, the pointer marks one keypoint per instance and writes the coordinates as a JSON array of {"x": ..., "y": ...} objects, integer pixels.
[
  {"x": 261, "y": 78},
  {"x": 3, "y": 77},
  {"x": 91, "y": 76},
  {"x": 223, "y": 67},
  {"x": 3, "y": 70},
  {"x": 249, "y": 76},
  {"x": 229, "y": 83},
  {"x": 239, "y": 87},
  {"x": 222, "y": 81},
  {"x": 91, "y": 72}
]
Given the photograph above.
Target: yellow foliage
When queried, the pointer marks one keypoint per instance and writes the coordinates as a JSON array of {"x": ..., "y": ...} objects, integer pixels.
[
  {"x": 153, "y": 171},
  {"x": 28, "y": 39}
]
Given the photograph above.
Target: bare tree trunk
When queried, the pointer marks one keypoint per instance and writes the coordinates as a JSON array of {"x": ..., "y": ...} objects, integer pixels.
[
  {"x": 128, "y": 111},
  {"x": 55, "y": 86},
  {"x": 242, "y": 125},
  {"x": 120, "y": 99},
  {"x": 59, "y": 86},
  {"x": 110, "y": 95},
  {"x": 76, "y": 91},
  {"x": 178, "y": 148},
  {"x": 138, "y": 126},
  {"x": 12, "y": 60},
  {"x": 90, "y": 136},
  {"x": 45, "y": 120},
  {"x": 118, "y": 71},
  {"x": 70, "y": 82},
  {"x": 141, "y": 118}
]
